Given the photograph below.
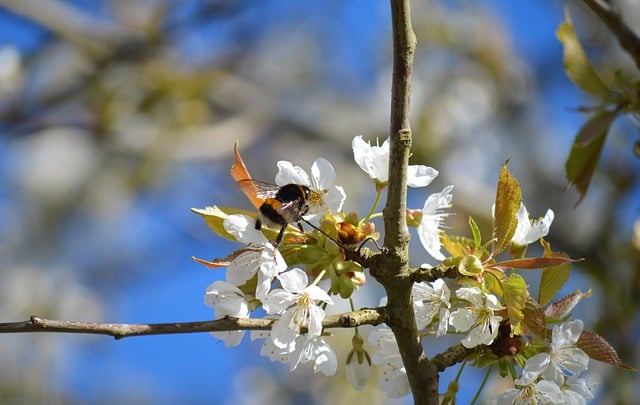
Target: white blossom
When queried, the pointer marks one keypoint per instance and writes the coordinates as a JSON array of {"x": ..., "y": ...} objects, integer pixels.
[
  {"x": 394, "y": 379},
  {"x": 316, "y": 351},
  {"x": 430, "y": 299},
  {"x": 577, "y": 391},
  {"x": 302, "y": 350},
  {"x": 227, "y": 300},
  {"x": 432, "y": 217},
  {"x": 298, "y": 303},
  {"x": 529, "y": 231},
  {"x": 563, "y": 358},
  {"x": 374, "y": 160},
  {"x": 260, "y": 257},
  {"x": 478, "y": 318}
]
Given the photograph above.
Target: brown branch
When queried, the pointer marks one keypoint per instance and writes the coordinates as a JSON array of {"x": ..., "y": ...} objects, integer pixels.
[
  {"x": 627, "y": 39},
  {"x": 434, "y": 273},
  {"x": 367, "y": 316},
  {"x": 451, "y": 356},
  {"x": 391, "y": 267}
]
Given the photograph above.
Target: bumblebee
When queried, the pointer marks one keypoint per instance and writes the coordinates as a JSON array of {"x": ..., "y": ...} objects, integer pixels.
[{"x": 281, "y": 206}]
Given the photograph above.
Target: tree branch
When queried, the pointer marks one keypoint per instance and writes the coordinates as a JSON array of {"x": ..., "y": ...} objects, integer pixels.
[
  {"x": 391, "y": 268},
  {"x": 367, "y": 316},
  {"x": 451, "y": 356},
  {"x": 434, "y": 273},
  {"x": 627, "y": 39}
]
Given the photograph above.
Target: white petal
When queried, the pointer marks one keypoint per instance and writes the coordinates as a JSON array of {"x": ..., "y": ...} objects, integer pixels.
[
  {"x": 294, "y": 280},
  {"x": 318, "y": 294},
  {"x": 539, "y": 228},
  {"x": 243, "y": 267},
  {"x": 493, "y": 303},
  {"x": 277, "y": 301},
  {"x": 230, "y": 338},
  {"x": 463, "y": 319},
  {"x": 429, "y": 236},
  {"x": 220, "y": 293},
  {"x": 334, "y": 199},
  {"x": 480, "y": 335},
  {"x": 534, "y": 366},
  {"x": 566, "y": 334},
  {"x": 322, "y": 355},
  {"x": 284, "y": 330},
  {"x": 323, "y": 174},
  {"x": 358, "y": 373},
  {"x": 523, "y": 226},
  {"x": 420, "y": 175},
  {"x": 374, "y": 160},
  {"x": 384, "y": 342},
  {"x": 471, "y": 294},
  {"x": 437, "y": 201},
  {"x": 271, "y": 264},
  {"x": 443, "y": 323},
  {"x": 316, "y": 315},
  {"x": 573, "y": 360},
  {"x": 394, "y": 380},
  {"x": 243, "y": 228},
  {"x": 288, "y": 173}
]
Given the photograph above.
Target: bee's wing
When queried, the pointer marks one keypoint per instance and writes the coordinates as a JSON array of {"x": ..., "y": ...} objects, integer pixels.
[{"x": 257, "y": 191}]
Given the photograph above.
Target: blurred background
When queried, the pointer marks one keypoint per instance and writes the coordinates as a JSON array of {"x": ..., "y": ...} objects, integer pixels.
[{"x": 117, "y": 117}]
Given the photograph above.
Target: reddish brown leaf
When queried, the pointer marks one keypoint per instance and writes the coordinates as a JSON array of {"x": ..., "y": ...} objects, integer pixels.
[
  {"x": 225, "y": 261},
  {"x": 599, "y": 349},
  {"x": 215, "y": 264},
  {"x": 532, "y": 262},
  {"x": 561, "y": 308}
]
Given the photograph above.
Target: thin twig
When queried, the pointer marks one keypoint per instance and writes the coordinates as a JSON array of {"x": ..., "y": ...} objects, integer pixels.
[{"x": 367, "y": 316}]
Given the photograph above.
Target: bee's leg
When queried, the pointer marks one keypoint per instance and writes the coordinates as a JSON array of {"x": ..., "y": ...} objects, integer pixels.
[
  {"x": 302, "y": 231},
  {"x": 258, "y": 224},
  {"x": 280, "y": 235}
]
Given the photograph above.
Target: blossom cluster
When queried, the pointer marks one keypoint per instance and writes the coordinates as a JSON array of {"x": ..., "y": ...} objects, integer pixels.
[{"x": 296, "y": 281}]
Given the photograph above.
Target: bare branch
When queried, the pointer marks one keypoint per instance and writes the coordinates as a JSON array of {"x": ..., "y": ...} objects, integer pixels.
[
  {"x": 627, "y": 39},
  {"x": 434, "y": 273},
  {"x": 365, "y": 316},
  {"x": 451, "y": 356}
]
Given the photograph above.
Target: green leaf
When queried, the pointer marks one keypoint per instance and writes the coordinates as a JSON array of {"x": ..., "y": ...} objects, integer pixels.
[
  {"x": 457, "y": 245},
  {"x": 586, "y": 150},
  {"x": 576, "y": 63},
  {"x": 477, "y": 238},
  {"x": 554, "y": 277},
  {"x": 599, "y": 349},
  {"x": 515, "y": 296},
  {"x": 470, "y": 265},
  {"x": 215, "y": 216},
  {"x": 597, "y": 125},
  {"x": 494, "y": 280},
  {"x": 508, "y": 199}
]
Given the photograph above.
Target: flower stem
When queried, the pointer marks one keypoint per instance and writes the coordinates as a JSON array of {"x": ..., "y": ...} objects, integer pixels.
[
  {"x": 373, "y": 208},
  {"x": 484, "y": 381}
]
